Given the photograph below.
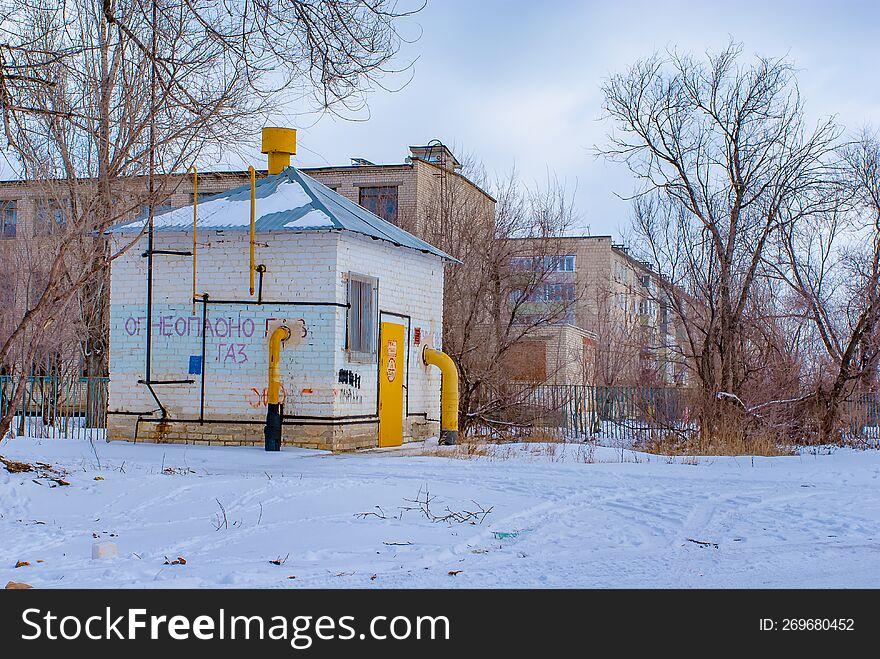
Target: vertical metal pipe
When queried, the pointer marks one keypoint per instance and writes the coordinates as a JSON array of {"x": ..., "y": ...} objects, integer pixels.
[
  {"x": 253, "y": 176},
  {"x": 195, "y": 173},
  {"x": 448, "y": 393},
  {"x": 204, "y": 365},
  {"x": 261, "y": 269},
  {"x": 274, "y": 412},
  {"x": 152, "y": 171}
]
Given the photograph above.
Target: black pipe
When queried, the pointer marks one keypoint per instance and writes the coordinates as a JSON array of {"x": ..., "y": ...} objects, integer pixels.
[
  {"x": 272, "y": 431},
  {"x": 342, "y": 421},
  {"x": 260, "y": 269},
  {"x": 172, "y": 252},
  {"x": 150, "y": 221},
  {"x": 287, "y": 420},
  {"x": 306, "y": 417},
  {"x": 204, "y": 364},
  {"x": 343, "y": 305},
  {"x": 149, "y": 347},
  {"x": 149, "y": 354},
  {"x": 155, "y": 397}
]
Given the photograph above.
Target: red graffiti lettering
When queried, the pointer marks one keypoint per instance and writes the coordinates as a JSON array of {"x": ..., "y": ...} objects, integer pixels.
[{"x": 257, "y": 398}]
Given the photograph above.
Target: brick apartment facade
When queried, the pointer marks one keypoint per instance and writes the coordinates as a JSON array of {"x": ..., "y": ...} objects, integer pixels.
[
  {"x": 403, "y": 194},
  {"x": 612, "y": 298}
]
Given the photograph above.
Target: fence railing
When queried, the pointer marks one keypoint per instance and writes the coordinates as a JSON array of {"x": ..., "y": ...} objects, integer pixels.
[
  {"x": 76, "y": 408},
  {"x": 861, "y": 416},
  {"x": 620, "y": 413},
  {"x": 633, "y": 414},
  {"x": 56, "y": 406}
]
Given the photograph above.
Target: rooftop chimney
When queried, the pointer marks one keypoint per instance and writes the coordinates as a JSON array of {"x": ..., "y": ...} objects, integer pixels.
[
  {"x": 436, "y": 153},
  {"x": 280, "y": 144}
]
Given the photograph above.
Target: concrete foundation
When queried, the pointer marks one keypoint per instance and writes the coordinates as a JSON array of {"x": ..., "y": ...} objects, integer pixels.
[{"x": 330, "y": 436}]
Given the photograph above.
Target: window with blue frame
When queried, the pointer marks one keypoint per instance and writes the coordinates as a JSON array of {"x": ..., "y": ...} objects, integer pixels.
[
  {"x": 362, "y": 332},
  {"x": 381, "y": 201},
  {"x": 51, "y": 219},
  {"x": 565, "y": 263},
  {"x": 7, "y": 219}
]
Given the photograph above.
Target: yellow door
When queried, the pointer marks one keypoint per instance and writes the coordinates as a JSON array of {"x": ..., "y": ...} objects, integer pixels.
[{"x": 392, "y": 360}]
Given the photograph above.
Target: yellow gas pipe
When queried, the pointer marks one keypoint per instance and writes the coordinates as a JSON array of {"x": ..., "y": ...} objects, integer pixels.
[
  {"x": 273, "y": 393},
  {"x": 253, "y": 175},
  {"x": 279, "y": 334},
  {"x": 448, "y": 393},
  {"x": 195, "y": 173}
]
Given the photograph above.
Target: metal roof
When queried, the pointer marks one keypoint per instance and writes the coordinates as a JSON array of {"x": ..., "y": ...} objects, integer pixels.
[{"x": 289, "y": 201}]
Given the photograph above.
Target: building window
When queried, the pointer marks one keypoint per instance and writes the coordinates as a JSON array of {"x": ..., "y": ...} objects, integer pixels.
[
  {"x": 7, "y": 219},
  {"x": 362, "y": 317},
  {"x": 381, "y": 201},
  {"x": 559, "y": 292},
  {"x": 543, "y": 263},
  {"x": 550, "y": 292},
  {"x": 562, "y": 263},
  {"x": 51, "y": 219}
]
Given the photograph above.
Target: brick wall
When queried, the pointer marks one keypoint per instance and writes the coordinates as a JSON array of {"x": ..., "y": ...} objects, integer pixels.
[
  {"x": 348, "y": 181},
  {"x": 301, "y": 267},
  {"x": 609, "y": 290}
]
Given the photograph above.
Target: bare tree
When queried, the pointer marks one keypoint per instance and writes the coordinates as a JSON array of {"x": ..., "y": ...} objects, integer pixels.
[
  {"x": 504, "y": 293},
  {"x": 725, "y": 161},
  {"x": 102, "y": 102},
  {"x": 832, "y": 263},
  {"x": 620, "y": 341}
]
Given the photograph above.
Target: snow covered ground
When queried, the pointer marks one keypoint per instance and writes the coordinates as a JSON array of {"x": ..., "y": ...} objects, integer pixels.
[{"x": 561, "y": 516}]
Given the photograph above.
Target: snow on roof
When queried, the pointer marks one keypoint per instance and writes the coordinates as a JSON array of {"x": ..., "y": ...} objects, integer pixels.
[{"x": 289, "y": 201}]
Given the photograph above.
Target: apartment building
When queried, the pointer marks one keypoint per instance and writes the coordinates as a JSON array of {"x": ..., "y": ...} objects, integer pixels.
[
  {"x": 630, "y": 335},
  {"x": 405, "y": 194},
  {"x": 410, "y": 194}
]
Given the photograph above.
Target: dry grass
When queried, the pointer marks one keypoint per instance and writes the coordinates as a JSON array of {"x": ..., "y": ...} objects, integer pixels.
[
  {"x": 527, "y": 435},
  {"x": 731, "y": 444},
  {"x": 16, "y": 467},
  {"x": 43, "y": 471},
  {"x": 479, "y": 447},
  {"x": 464, "y": 450}
]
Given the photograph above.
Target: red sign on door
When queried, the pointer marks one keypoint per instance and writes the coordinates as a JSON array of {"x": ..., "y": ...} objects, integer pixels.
[{"x": 391, "y": 369}]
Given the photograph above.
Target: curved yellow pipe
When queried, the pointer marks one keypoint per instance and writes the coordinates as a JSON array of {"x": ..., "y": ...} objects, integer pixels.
[
  {"x": 279, "y": 334},
  {"x": 448, "y": 394},
  {"x": 253, "y": 175}
]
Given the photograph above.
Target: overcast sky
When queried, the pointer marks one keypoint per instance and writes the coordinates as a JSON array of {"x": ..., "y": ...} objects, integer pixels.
[{"x": 517, "y": 82}]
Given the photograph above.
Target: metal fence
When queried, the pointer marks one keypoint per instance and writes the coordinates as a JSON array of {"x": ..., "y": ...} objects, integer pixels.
[
  {"x": 638, "y": 414},
  {"x": 861, "y": 416},
  {"x": 76, "y": 408},
  {"x": 56, "y": 406},
  {"x": 578, "y": 411}
]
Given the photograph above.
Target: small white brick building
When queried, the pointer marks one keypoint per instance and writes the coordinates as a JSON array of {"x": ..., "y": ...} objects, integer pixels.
[{"x": 333, "y": 272}]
